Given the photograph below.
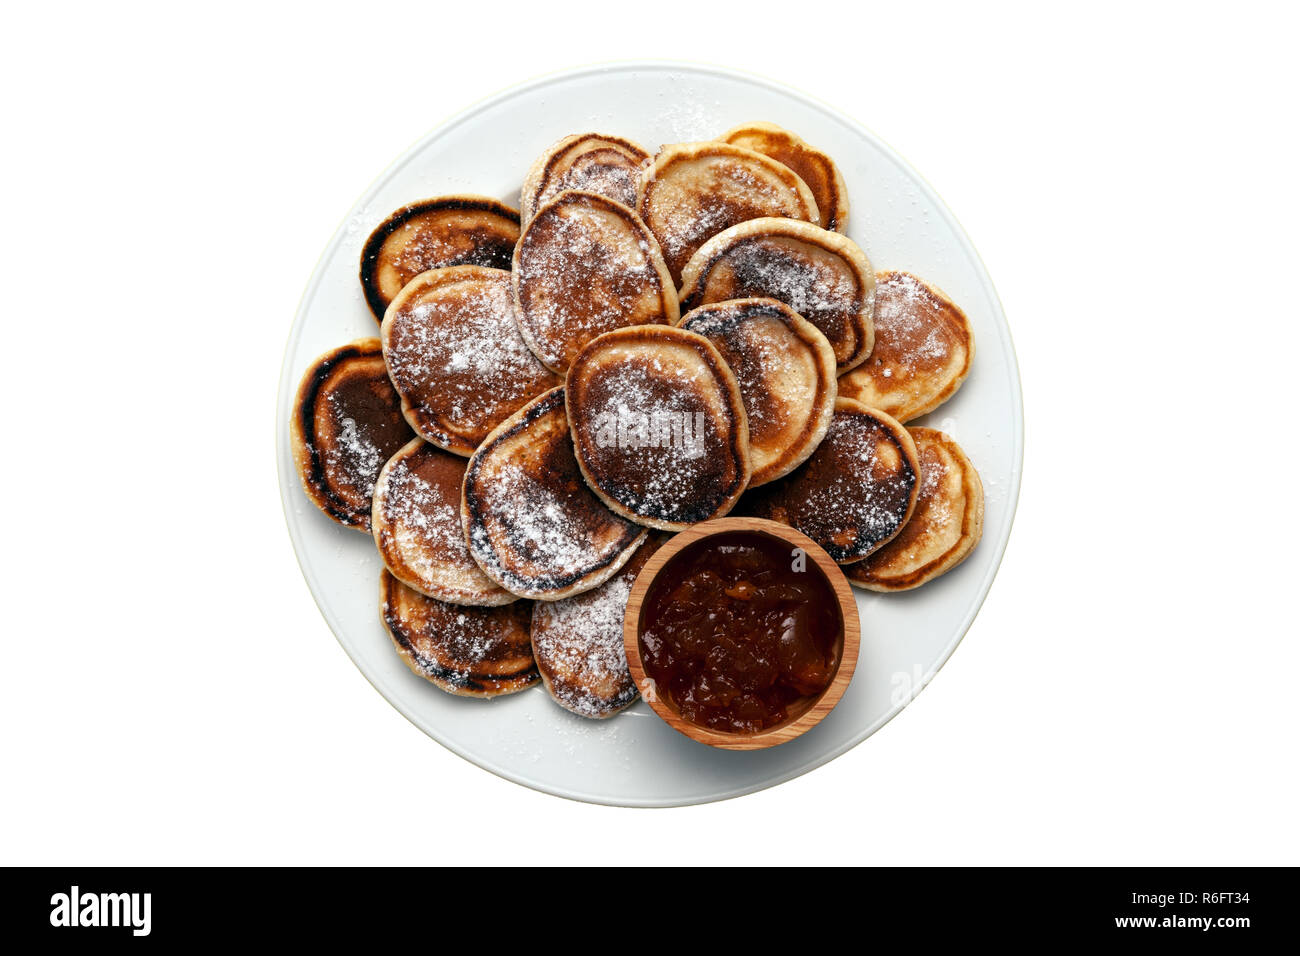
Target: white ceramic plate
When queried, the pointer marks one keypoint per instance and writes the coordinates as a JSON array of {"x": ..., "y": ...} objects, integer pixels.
[{"x": 635, "y": 759}]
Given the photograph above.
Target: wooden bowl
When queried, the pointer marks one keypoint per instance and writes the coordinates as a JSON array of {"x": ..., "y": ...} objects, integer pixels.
[{"x": 796, "y": 725}]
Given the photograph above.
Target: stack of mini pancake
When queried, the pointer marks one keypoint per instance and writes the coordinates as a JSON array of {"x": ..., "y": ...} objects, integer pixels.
[{"x": 649, "y": 341}]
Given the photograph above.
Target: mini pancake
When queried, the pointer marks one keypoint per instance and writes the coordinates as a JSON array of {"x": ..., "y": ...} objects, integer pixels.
[
  {"x": 434, "y": 234},
  {"x": 454, "y": 353},
  {"x": 945, "y": 527},
  {"x": 578, "y": 644},
  {"x": 659, "y": 426},
  {"x": 856, "y": 491},
  {"x": 786, "y": 372},
  {"x": 530, "y": 520},
  {"x": 820, "y": 274},
  {"x": 417, "y": 526},
  {"x": 467, "y": 651},
  {"x": 592, "y": 162},
  {"x": 923, "y": 349},
  {"x": 693, "y": 191},
  {"x": 813, "y": 166},
  {"x": 584, "y": 266},
  {"x": 347, "y": 421}
]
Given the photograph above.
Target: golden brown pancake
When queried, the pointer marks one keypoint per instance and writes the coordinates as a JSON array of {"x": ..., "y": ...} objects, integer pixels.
[
  {"x": 434, "y": 234},
  {"x": 587, "y": 265},
  {"x": 467, "y": 651},
  {"x": 786, "y": 372},
  {"x": 592, "y": 162},
  {"x": 693, "y": 191},
  {"x": 855, "y": 492},
  {"x": 813, "y": 166},
  {"x": 347, "y": 421},
  {"x": 820, "y": 274},
  {"x": 944, "y": 528},
  {"x": 659, "y": 427},
  {"x": 578, "y": 644},
  {"x": 455, "y": 355},
  {"x": 417, "y": 526},
  {"x": 923, "y": 349},
  {"x": 531, "y": 522}
]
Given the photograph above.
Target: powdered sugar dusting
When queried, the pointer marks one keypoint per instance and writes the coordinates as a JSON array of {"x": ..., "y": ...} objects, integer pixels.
[
  {"x": 578, "y": 643},
  {"x": 463, "y": 637},
  {"x": 354, "y": 453},
  {"x": 583, "y": 271},
  {"x": 421, "y": 522},
  {"x": 935, "y": 525},
  {"x": 607, "y": 172},
  {"x": 851, "y": 495},
  {"x": 479, "y": 649},
  {"x": 638, "y": 407},
  {"x": 534, "y": 525},
  {"x": 933, "y": 471},
  {"x": 939, "y": 478},
  {"x": 686, "y": 117},
  {"x": 819, "y": 285},
  {"x": 874, "y": 467},
  {"x": 910, "y": 329},
  {"x": 692, "y": 200},
  {"x": 456, "y": 355},
  {"x": 541, "y": 523},
  {"x": 921, "y": 350},
  {"x": 757, "y": 347}
]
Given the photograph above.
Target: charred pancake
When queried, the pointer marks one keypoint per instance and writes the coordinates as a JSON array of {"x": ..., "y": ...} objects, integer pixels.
[
  {"x": 786, "y": 372},
  {"x": 467, "y": 651},
  {"x": 693, "y": 191},
  {"x": 417, "y": 526},
  {"x": 578, "y": 644},
  {"x": 820, "y": 274},
  {"x": 455, "y": 355},
  {"x": 855, "y": 492},
  {"x": 531, "y": 522},
  {"x": 591, "y": 162},
  {"x": 945, "y": 527},
  {"x": 434, "y": 234},
  {"x": 923, "y": 349},
  {"x": 659, "y": 427},
  {"x": 347, "y": 421},
  {"x": 813, "y": 166},
  {"x": 587, "y": 265}
]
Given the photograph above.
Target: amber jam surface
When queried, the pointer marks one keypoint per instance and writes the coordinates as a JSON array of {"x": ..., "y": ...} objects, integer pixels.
[{"x": 740, "y": 632}]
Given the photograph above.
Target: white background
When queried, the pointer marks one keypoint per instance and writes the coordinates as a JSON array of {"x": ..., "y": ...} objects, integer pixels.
[{"x": 169, "y": 693}]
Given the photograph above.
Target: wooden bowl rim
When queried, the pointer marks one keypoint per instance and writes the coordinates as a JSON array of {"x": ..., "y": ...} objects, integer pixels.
[{"x": 819, "y": 708}]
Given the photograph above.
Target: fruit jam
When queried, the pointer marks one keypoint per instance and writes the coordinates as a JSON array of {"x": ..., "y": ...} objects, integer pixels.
[{"x": 740, "y": 632}]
